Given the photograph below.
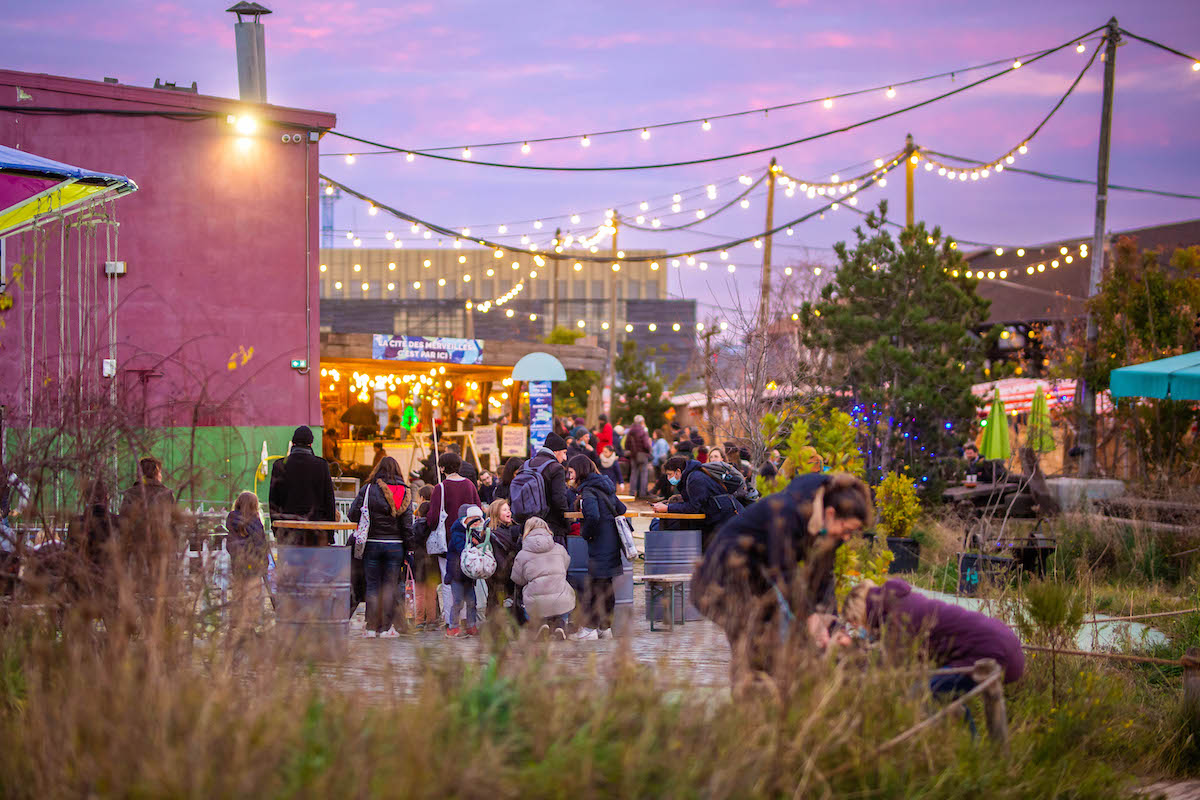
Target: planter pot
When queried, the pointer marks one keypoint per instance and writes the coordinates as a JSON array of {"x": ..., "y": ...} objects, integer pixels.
[
  {"x": 907, "y": 554},
  {"x": 975, "y": 569}
]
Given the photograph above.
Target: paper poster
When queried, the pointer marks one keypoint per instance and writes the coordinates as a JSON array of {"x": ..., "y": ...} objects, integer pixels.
[
  {"x": 514, "y": 441},
  {"x": 485, "y": 441}
]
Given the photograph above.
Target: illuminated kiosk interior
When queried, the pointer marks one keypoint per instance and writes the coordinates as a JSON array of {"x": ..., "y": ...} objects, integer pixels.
[{"x": 465, "y": 385}]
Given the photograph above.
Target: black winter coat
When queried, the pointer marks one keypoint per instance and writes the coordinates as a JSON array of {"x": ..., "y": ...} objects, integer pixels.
[
  {"x": 758, "y": 551},
  {"x": 301, "y": 487},
  {"x": 390, "y": 520},
  {"x": 557, "y": 501},
  {"x": 704, "y": 494},
  {"x": 598, "y": 498}
]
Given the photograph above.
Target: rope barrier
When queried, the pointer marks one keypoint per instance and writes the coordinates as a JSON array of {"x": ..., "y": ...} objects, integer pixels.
[
  {"x": 1164, "y": 662},
  {"x": 1141, "y": 616}
]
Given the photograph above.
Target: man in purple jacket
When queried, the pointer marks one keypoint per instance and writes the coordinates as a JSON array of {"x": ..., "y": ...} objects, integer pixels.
[{"x": 952, "y": 636}]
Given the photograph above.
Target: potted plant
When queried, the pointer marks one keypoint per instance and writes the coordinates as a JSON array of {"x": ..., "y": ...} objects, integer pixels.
[{"x": 898, "y": 508}]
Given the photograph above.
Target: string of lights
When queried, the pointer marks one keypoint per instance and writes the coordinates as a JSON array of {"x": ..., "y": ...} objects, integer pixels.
[
  {"x": 984, "y": 169},
  {"x": 466, "y": 156},
  {"x": 644, "y": 132},
  {"x": 975, "y": 163},
  {"x": 500, "y": 249}
]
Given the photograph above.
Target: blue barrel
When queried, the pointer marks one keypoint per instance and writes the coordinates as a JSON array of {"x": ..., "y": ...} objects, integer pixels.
[
  {"x": 672, "y": 553},
  {"x": 623, "y": 589},
  {"x": 312, "y": 601},
  {"x": 577, "y": 572},
  {"x": 976, "y": 568}
]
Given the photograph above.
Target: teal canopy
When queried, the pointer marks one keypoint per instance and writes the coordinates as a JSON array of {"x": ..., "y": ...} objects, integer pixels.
[{"x": 1177, "y": 378}]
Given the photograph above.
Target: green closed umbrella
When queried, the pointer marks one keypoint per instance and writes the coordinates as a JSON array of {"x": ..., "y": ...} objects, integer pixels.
[
  {"x": 1040, "y": 437},
  {"x": 995, "y": 432}
]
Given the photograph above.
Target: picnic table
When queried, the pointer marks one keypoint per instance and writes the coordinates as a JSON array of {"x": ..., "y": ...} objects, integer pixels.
[
  {"x": 666, "y": 585},
  {"x": 980, "y": 493},
  {"x": 338, "y": 528}
]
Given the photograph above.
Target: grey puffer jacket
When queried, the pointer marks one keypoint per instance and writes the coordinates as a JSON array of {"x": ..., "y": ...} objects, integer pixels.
[{"x": 541, "y": 567}]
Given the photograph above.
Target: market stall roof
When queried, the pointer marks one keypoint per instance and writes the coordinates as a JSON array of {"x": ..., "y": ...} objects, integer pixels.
[
  {"x": 32, "y": 187},
  {"x": 1177, "y": 378},
  {"x": 539, "y": 367}
]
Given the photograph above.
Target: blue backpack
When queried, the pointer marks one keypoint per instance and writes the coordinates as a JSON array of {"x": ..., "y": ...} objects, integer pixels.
[{"x": 527, "y": 492}]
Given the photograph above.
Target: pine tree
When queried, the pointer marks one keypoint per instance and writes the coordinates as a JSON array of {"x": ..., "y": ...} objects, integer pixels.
[
  {"x": 900, "y": 317},
  {"x": 640, "y": 389}
]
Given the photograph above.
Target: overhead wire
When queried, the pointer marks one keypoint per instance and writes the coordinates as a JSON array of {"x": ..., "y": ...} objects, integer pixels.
[{"x": 727, "y": 156}]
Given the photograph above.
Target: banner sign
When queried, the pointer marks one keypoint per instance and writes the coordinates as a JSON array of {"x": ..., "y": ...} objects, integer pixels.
[
  {"x": 541, "y": 413},
  {"x": 485, "y": 441},
  {"x": 426, "y": 348},
  {"x": 514, "y": 441}
]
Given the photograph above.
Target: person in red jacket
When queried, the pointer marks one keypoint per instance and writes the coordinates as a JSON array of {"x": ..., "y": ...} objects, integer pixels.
[{"x": 604, "y": 435}]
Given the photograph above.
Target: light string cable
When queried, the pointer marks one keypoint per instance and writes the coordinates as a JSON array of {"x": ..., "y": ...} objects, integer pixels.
[
  {"x": 1066, "y": 178},
  {"x": 707, "y": 120},
  {"x": 501, "y": 249},
  {"x": 1195, "y": 61},
  {"x": 999, "y": 164},
  {"x": 701, "y": 215},
  {"x": 711, "y": 159}
]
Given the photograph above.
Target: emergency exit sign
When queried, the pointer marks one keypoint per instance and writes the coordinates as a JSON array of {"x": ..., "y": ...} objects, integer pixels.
[{"x": 299, "y": 363}]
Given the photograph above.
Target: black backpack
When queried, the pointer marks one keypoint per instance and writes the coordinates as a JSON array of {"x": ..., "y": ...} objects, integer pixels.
[
  {"x": 527, "y": 492},
  {"x": 730, "y": 478}
]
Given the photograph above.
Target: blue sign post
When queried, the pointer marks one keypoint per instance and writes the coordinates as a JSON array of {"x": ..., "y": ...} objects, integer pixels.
[{"x": 541, "y": 413}]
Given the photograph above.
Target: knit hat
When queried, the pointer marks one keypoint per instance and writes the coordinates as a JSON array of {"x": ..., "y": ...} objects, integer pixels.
[
  {"x": 554, "y": 442},
  {"x": 473, "y": 512},
  {"x": 302, "y": 436}
]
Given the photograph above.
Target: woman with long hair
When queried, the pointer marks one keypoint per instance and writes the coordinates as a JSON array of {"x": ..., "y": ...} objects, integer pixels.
[
  {"x": 511, "y": 467},
  {"x": 600, "y": 506},
  {"x": 248, "y": 555},
  {"x": 389, "y": 502},
  {"x": 506, "y": 542}
]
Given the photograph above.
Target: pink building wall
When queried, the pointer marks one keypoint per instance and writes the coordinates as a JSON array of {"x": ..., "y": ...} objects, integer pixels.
[{"x": 221, "y": 242}]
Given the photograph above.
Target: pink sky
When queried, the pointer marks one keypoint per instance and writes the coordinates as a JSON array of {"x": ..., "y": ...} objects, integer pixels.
[{"x": 424, "y": 74}]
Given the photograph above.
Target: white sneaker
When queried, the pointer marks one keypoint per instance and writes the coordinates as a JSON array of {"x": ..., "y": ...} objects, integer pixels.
[
  {"x": 370, "y": 635},
  {"x": 606, "y": 633},
  {"x": 390, "y": 633},
  {"x": 543, "y": 632},
  {"x": 585, "y": 635},
  {"x": 560, "y": 634}
]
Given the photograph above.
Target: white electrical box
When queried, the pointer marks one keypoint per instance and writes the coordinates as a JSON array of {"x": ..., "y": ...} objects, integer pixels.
[
  {"x": 108, "y": 368},
  {"x": 114, "y": 267}
]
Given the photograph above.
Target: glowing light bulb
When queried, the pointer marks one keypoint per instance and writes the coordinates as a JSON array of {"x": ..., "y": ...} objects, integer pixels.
[
  {"x": 878, "y": 163},
  {"x": 640, "y": 219},
  {"x": 372, "y": 209},
  {"x": 828, "y": 102},
  {"x": 466, "y": 153},
  {"x": 732, "y": 268},
  {"x": 533, "y": 317},
  {"x": 999, "y": 251},
  {"x": 578, "y": 267},
  {"x": 745, "y": 202},
  {"x": 502, "y": 229},
  {"x": 652, "y": 327},
  {"x": 441, "y": 281},
  {"x": 655, "y": 222},
  {"x": 891, "y": 92},
  {"x": 537, "y": 223},
  {"x": 941, "y": 171},
  {"x": 676, "y": 208},
  {"x": 706, "y": 125},
  {"x": 1023, "y": 149},
  {"x": 581, "y": 323},
  {"x": 350, "y": 158},
  {"x": 1017, "y": 64},
  {"x": 357, "y": 242},
  {"x": 466, "y": 278},
  {"x": 691, "y": 261},
  {"x": 525, "y": 148},
  {"x": 575, "y": 219},
  {"x": 1079, "y": 48},
  {"x": 337, "y": 285},
  {"x": 699, "y": 326},
  {"x": 585, "y": 142},
  {"x": 645, "y": 133},
  {"x": 409, "y": 157}
]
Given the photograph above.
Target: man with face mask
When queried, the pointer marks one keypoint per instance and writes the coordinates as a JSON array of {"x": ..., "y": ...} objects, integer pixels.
[{"x": 702, "y": 494}]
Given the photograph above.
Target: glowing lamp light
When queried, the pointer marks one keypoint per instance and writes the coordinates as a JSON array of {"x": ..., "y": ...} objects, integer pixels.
[
  {"x": 828, "y": 102},
  {"x": 645, "y": 133},
  {"x": 350, "y": 158},
  {"x": 1017, "y": 64},
  {"x": 652, "y": 327},
  {"x": 466, "y": 153},
  {"x": 525, "y": 148},
  {"x": 629, "y": 329},
  {"x": 891, "y": 92},
  {"x": 706, "y": 125},
  {"x": 585, "y": 142},
  {"x": 581, "y": 323}
]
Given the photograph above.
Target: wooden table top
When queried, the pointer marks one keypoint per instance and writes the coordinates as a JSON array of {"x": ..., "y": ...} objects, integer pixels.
[
  {"x": 310, "y": 525},
  {"x": 672, "y": 578},
  {"x": 961, "y": 492},
  {"x": 641, "y": 515}
]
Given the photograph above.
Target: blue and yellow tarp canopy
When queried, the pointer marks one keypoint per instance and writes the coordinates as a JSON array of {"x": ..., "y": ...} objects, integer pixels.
[
  {"x": 32, "y": 187},
  {"x": 1177, "y": 378}
]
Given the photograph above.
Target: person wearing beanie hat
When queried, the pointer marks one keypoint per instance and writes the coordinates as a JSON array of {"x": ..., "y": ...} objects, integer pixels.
[
  {"x": 468, "y": 527},
  {"x": 548, "y": 462},
  {"x": 301, "y": 489}
]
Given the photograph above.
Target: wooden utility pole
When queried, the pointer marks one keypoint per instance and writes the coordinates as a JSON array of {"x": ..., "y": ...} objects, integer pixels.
[
  {"x": 470, "y": 319},
  {"x": 554, "y": 298},
  {"x": 611, "y": 380},
  {"x": 709, "y": 409},
  {"x": 764, "y": 303},
  {"x": 1087, "y": 426},
  {"x": 910, "y": 167}
]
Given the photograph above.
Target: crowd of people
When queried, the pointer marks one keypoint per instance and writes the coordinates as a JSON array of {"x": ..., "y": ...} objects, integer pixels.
[{"x": 430, "y": 545}]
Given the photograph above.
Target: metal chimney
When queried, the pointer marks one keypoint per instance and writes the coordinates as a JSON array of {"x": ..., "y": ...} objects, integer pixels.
[{"x": 251, "y": 52}]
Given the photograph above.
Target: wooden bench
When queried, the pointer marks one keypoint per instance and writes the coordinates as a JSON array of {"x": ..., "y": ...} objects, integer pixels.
[{"x": 665, "y": 585}]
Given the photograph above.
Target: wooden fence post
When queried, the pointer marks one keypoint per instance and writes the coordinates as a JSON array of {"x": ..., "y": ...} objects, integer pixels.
[
  {"x": 995, "y": 712},
  {"x": 1191, "y": 687}
]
